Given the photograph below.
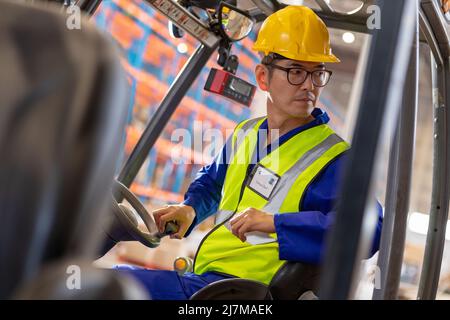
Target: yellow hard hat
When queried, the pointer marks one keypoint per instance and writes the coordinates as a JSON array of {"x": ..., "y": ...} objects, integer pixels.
[{"x": 297, "y": 33}]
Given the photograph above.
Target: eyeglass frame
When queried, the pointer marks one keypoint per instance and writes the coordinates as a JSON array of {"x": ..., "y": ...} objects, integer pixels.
[{"x": 308, "y": 74}]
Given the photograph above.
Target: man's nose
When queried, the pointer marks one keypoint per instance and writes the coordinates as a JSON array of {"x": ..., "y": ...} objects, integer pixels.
[{"x": 307, "y": 85}]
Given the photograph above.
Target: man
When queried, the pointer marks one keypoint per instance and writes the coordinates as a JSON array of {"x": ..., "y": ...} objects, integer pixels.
[{"x": 276, "y": 203}]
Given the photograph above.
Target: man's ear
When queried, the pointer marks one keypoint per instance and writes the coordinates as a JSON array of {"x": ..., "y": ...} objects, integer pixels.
[{"x": 262, "y": 77}]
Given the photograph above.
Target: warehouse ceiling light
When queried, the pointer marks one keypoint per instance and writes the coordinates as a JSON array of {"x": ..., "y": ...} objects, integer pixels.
[
  {"x": 292, "y": 2},
  {"x": 182, "y": 48},
  {"x": 345, "y": 7},
  {"x": 418, "y": 223},
  {"x": 348, "y": 37}
]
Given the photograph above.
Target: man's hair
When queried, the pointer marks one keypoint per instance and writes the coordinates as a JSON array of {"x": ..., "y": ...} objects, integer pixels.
[{"x": 268, "y": 59}]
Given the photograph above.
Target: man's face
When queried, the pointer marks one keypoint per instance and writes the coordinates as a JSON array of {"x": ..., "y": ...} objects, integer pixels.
[{"x": 293, "y": 100}]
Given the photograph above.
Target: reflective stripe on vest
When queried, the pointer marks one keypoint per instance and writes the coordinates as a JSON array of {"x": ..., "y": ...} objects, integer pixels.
[
  {"x": 237, "y": 140},
  {"x": 244, "y": 145},
  {"x": 223, "y": 215},
  {"x": 287, "y": 180},
  {"x": 297, "y": 161}
]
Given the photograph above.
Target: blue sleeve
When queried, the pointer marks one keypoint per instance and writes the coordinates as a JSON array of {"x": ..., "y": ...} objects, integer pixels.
[
  {"x": 301, "y": 235},
  {"x": 205, "y": 192}
]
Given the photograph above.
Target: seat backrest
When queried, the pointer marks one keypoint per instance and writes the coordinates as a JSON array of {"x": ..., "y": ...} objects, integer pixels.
[
  {"x": 293, "y": 280},
  {"x": 233, "y": 289},
  {"x": 62, "y": 116}
]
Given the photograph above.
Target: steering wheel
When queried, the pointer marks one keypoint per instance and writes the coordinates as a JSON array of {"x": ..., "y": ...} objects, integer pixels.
[{"x": 127, "y": 218}]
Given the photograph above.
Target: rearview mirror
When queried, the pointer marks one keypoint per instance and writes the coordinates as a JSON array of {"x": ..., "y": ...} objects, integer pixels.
[{"x": 235, "y": 24}]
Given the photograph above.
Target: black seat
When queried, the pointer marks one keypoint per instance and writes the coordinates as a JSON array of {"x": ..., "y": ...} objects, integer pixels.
[
  {"x": 57, "y": 282},
  {"x": 289, "y": 283},
  {"x": 62, "y": 116},
  {"x": 293, "y": 280},
  {"x": 233, "y": 289}
]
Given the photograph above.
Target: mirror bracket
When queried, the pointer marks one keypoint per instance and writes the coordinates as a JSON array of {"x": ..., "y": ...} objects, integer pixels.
[
  {"x": 232, "y": 64},
  {"x": 224, "y": 52},
  {"x": 225, "y": 59}
]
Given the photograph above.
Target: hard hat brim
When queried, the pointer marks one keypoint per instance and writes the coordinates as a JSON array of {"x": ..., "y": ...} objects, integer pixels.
[{"x": 306, "y": 57}]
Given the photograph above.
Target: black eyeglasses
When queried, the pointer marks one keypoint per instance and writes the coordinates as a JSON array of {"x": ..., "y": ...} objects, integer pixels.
[{"x": 296, "y": 75}]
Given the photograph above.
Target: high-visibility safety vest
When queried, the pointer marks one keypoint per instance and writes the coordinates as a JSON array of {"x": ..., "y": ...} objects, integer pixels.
[{"x": 294, "y": 164}]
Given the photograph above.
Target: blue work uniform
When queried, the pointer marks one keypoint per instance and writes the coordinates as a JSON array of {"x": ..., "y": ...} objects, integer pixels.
[{"x": 308, "y": 226}]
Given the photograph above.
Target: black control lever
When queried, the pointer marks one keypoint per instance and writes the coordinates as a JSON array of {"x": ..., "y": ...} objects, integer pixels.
[{"x": 170, "y": 228}]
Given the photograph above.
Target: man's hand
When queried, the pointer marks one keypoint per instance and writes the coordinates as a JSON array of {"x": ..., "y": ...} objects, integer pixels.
[
  {"x": 252, "y": 219},
  {"x": 182, "y": 214}
]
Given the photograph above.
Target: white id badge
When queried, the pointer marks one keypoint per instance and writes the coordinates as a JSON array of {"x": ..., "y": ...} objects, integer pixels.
[
  {"x": 263, "y": 181},
  {"x": 256, "y": 237}
]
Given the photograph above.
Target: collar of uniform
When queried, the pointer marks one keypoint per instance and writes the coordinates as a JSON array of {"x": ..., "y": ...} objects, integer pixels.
[{"x": 320, "y": 117}]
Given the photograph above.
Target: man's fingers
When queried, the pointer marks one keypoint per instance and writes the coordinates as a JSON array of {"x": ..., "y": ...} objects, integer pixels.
[
  {"x": 159, "y": 212},
  {"x": 235, "y": 227},
  {"x": 235, "y": 220},
  {"x": 238, "y": 217},
  {"x": 242, "y": 231},
  {"x": 163, "y": 219},
  {"x": 176, "y": 236},
  {"x": 181, "y": 232},
  {"x": 241, "y": 228}
]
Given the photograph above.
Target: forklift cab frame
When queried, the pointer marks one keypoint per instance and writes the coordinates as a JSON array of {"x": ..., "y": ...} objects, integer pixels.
[{"x": 390, "y": 110}]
